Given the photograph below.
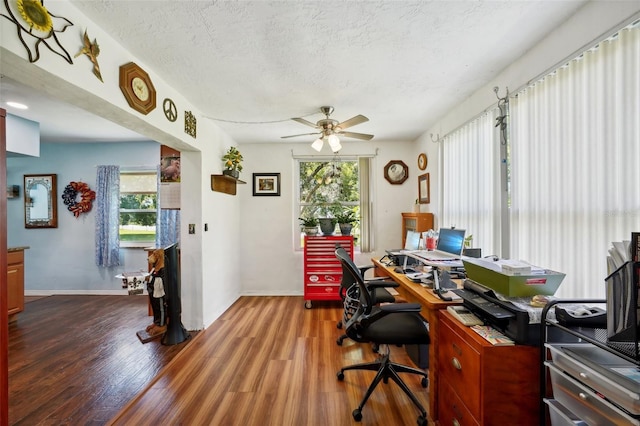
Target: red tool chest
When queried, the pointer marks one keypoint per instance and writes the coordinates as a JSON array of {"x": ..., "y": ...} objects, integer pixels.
[{"x": 322, "y": 270}]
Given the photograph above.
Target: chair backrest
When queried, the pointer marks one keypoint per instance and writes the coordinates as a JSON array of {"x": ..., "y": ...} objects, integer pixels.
[
  {"x": 347, "y": 280},
  {"x": 351, "y": 274}
]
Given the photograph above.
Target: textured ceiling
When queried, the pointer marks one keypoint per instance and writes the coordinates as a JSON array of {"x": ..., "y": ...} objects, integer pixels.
[{"x": 255, "y": 64}]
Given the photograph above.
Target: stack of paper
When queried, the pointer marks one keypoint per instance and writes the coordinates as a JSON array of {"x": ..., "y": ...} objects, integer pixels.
[
  {"x": 492, "y": 335},
  {"x": 618, "y": 255}
]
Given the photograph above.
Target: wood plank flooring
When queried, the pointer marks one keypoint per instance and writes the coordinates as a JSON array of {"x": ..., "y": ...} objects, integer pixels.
[
  {"x": 270, "y": 361},
  {"x": 76, "y": 360}
]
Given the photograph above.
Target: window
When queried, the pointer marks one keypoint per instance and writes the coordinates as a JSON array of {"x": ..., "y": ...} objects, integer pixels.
[
  {"x": 329, "y": 186},
  {"x": 138, "y": 208}
]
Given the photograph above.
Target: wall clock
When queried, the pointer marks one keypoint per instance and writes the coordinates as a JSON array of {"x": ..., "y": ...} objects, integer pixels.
[
  {"x": 396, "y": 172},
  {"x": 137, "y": 88},
  {"x": 422, "y": 161}
]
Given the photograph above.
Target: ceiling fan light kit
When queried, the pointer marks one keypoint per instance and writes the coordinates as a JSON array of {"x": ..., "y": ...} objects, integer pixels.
[{"x": 331, "y": 129}]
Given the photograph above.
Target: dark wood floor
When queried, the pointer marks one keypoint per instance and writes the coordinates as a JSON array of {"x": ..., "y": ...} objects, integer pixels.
[
  {"x": 270, "y": 361},
  {"x": 76, "y": 360}
]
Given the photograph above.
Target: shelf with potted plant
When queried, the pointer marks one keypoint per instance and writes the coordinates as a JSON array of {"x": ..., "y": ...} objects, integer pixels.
[{"x": 227, "y": 181}]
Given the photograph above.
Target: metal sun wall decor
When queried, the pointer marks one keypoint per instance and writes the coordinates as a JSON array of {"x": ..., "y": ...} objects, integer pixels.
[
  {"x": 92, "y": 50},
  {"x": 36, "y": 26}
]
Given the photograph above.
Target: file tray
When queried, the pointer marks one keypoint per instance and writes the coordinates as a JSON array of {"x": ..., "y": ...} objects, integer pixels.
[
  {"x": 490, "y": 274},
  {"x": 623, "y": 321}
]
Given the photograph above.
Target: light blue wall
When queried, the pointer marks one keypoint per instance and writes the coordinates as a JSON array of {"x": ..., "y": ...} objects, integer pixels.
[{"x": 61, "y": 260}]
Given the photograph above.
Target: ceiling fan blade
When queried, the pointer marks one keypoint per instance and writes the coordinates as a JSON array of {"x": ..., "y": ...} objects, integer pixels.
[
  {"x": 363, "y": 136},
  {"x": 353, "y": 121},
  {"x": 305, "y": 122},
  {"x": 303, "y": 134}
]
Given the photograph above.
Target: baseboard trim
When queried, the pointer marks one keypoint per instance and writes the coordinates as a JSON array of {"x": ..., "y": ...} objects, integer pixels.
[{"x": 76, "y": 292}]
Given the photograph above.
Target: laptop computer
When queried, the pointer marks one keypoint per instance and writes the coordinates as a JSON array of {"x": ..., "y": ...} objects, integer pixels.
[
  {"x": 404, "y": 262},
  {"x": 449, "y": 247}
]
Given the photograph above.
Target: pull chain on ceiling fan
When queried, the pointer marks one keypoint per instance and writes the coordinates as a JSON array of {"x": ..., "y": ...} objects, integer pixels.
[{"x": 329, "y": 130}]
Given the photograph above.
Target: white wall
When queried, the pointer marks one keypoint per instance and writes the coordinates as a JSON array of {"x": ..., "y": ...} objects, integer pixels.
[
  {"x": 62, "y": 259},
  {"x": 269, "y": 226},
  {"x": 23, "y": 136}
]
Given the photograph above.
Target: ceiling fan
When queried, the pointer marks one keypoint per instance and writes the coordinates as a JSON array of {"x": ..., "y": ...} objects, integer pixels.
[{"x": 329, "y": 129}]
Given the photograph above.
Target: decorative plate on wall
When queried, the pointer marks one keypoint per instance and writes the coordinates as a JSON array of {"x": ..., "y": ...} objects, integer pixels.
[
  {"x": 396, "y": 172},
  {"x": 422, "y": 161},
  {"x": 137, "y": 88}
]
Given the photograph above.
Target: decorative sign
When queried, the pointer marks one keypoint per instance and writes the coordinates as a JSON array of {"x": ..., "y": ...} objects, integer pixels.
[{"x": 190, "y": 124}]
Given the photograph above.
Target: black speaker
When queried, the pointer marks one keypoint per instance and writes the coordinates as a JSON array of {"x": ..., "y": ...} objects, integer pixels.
[
  {"x": 176, "y": 333},
  {"x": 472, "y": 252}
]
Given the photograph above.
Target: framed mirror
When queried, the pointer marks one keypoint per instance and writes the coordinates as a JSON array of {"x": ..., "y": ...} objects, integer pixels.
[{"x": 40, "y": 201}]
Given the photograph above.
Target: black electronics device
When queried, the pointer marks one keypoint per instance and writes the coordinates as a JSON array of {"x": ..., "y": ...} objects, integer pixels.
[{"x": 581, "y": 316}]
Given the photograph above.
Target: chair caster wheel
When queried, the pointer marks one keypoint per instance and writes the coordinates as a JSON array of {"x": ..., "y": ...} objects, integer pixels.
[
  {"x": 340, "y": 376},
  {"x": 424, "y": 382},
  {"x": 422, "y": 421},
  {"x": 339, "y": 325},
  {"x": 357, "y": 415},
  {"x": 339, "y": 341}
]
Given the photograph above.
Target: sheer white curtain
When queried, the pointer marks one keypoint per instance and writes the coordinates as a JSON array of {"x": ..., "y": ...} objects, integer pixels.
[
  {"x": 471, "y": 182},
  {"x": 575, "y": 164}
]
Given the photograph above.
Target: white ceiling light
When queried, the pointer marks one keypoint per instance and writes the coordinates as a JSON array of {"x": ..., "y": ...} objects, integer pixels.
[
  {"x": 334, "y": 143},
  {"x": 17, "y": 105},
  {"x": 317, "y": 144}
]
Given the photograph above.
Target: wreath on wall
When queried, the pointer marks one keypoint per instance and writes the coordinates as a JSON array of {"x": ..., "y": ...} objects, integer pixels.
[{"x": 70, "y": 195}]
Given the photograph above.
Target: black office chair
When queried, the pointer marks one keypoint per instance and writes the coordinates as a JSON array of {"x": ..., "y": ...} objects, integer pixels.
[
  {"x": 376, "y": 287},
  {"x": 390, "y": 324}
]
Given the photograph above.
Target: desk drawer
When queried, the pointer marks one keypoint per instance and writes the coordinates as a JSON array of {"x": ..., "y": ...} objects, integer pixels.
[
  {"x": 452, "y": 410},
  {"x": 459, "y": 367}
]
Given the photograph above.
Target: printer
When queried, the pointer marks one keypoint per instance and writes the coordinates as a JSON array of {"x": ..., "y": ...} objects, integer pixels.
[{"x": 512, "y": 319}]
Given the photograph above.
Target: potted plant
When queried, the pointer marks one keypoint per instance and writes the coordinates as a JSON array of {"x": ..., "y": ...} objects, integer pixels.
[
  {"x": 346, "y": 219},
  {"x": 309, "y": 225},
  {"x": 232, "y": 162}
]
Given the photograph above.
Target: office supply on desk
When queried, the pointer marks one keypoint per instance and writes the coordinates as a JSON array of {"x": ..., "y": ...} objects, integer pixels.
[
  {"x": 465, "y": 316},
  {"x": 492, "y": 274},
  {"x": 505, "y": 316},
  {"x": 442, "y": 284},
  {"x": 449, "y": 247},
  {"x": 367, "y": 325}
]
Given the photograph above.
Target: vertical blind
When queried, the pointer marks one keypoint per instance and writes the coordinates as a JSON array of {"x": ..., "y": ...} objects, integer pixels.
[
  {"x": 575, "y": 164},
  {"x": 471, "y": 182}
]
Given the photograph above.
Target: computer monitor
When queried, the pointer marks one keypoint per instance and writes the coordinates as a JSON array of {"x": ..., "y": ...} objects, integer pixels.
[
  {"x": 451, "y": 240},
  {"x": 412, "y": 241}
]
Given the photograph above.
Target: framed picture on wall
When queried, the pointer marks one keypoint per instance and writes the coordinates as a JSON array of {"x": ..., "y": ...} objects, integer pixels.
[
  {"x": 423, "y": 188},
  {"x": 266, "y": 184}
]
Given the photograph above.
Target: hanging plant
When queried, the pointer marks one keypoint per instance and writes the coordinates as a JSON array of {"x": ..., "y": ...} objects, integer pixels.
[{"x": 70, "y": 194}]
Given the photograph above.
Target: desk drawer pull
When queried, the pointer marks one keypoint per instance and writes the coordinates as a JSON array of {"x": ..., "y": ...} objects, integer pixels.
[
  {"x": 455, "y": 422},
  {"x": 583, "y": 396},
  {"x": 456, "y": 363}
]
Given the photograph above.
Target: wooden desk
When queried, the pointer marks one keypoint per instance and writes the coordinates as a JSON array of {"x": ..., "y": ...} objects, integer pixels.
[{"x": 431, "y": 304}]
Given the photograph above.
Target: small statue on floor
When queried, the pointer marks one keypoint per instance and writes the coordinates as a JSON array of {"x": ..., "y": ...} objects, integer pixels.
[{"x": 157, "y": 296}]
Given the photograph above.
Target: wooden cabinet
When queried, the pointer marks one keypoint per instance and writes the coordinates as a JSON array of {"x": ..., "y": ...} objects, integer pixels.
[
  {"x": 15, "y": 283},
  {"x": 418, "y": 222},
  {"x": 322, "y": 270},
  {"x": 482, "y": 384}
]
